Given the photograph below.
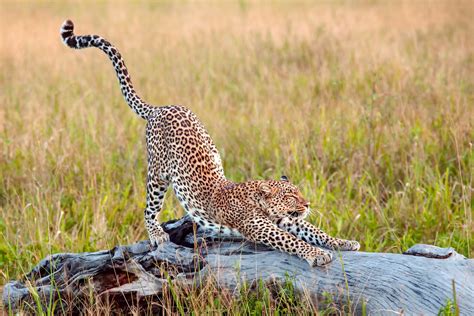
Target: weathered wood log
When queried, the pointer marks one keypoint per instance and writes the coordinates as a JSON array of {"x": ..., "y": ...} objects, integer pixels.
[{"x": 420, "y": 281}]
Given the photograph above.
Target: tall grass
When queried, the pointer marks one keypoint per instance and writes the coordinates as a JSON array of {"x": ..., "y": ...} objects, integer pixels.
[{"x": 368, "y": 107}]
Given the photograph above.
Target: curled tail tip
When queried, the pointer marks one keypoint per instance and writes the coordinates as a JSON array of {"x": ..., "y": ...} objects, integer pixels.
[
  {"x": 68, "y": 23},
  {"x": 67, "y": 31}
]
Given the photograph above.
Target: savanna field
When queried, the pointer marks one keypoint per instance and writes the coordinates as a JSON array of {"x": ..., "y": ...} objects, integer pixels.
[{"x": 368, "y": 107}]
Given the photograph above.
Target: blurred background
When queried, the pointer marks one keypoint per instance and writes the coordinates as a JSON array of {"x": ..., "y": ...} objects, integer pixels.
[{"x": 367, "y": 106}]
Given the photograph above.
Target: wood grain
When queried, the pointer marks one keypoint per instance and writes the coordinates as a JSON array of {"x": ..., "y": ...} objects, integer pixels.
[{"x": 417, "y": 282}]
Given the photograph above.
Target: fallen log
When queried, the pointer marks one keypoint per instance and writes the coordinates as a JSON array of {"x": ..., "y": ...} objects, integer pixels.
[{"x": 420, "y": 281}]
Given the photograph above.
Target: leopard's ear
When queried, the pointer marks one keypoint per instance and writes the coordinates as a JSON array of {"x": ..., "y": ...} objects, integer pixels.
[
  {"x": 266, "y": 189},
  {"x": 284, "y": 178}
]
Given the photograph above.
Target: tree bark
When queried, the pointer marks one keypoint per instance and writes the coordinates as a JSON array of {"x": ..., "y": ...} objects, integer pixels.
[{"x": 420, "y": 281}]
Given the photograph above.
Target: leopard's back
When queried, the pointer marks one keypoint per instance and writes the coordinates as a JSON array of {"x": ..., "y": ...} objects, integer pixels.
[{"x": 184, "y": 154}]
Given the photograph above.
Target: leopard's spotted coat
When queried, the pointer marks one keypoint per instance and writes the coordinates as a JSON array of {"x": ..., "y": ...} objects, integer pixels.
[{"x": 181, "y": 154}]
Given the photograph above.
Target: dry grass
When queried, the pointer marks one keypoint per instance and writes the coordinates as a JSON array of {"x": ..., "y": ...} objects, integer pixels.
[{"x": 367, "y": 106}]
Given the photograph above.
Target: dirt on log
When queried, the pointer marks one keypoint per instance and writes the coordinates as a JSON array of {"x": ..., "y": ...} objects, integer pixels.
[{"x": 420, "y": 281}]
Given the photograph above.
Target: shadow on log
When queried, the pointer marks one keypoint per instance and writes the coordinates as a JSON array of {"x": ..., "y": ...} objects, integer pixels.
[{"x": 420, "y": 281}]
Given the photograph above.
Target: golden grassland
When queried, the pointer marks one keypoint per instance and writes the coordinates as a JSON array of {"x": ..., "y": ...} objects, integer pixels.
[{"x": 368, "y": 107}]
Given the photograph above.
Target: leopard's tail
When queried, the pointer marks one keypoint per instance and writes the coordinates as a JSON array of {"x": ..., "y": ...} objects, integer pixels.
[{"x": 134, "y": 101}]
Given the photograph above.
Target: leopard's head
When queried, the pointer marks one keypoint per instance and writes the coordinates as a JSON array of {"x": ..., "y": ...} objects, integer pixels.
[{"x": 281, "y": 199}]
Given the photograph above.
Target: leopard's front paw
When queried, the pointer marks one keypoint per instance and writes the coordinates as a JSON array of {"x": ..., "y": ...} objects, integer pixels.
[
  {"x": 347, "y": 245},
  {"x": 159, "y": 238},
  {"x": 322, "y": 258},
  {"x": 353, "y": 245}
]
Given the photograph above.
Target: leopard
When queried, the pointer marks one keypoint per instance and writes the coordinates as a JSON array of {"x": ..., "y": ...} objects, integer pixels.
[{"x": 182, "y": 155}]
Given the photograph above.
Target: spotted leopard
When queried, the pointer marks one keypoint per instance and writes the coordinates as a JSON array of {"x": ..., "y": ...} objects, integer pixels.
[{"x": 181, "y": 154}]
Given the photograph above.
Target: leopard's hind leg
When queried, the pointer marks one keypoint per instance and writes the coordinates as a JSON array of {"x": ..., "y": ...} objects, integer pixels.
[
  {"x": 155, "y": 194},
  {"x": 315, "y": 236}
]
